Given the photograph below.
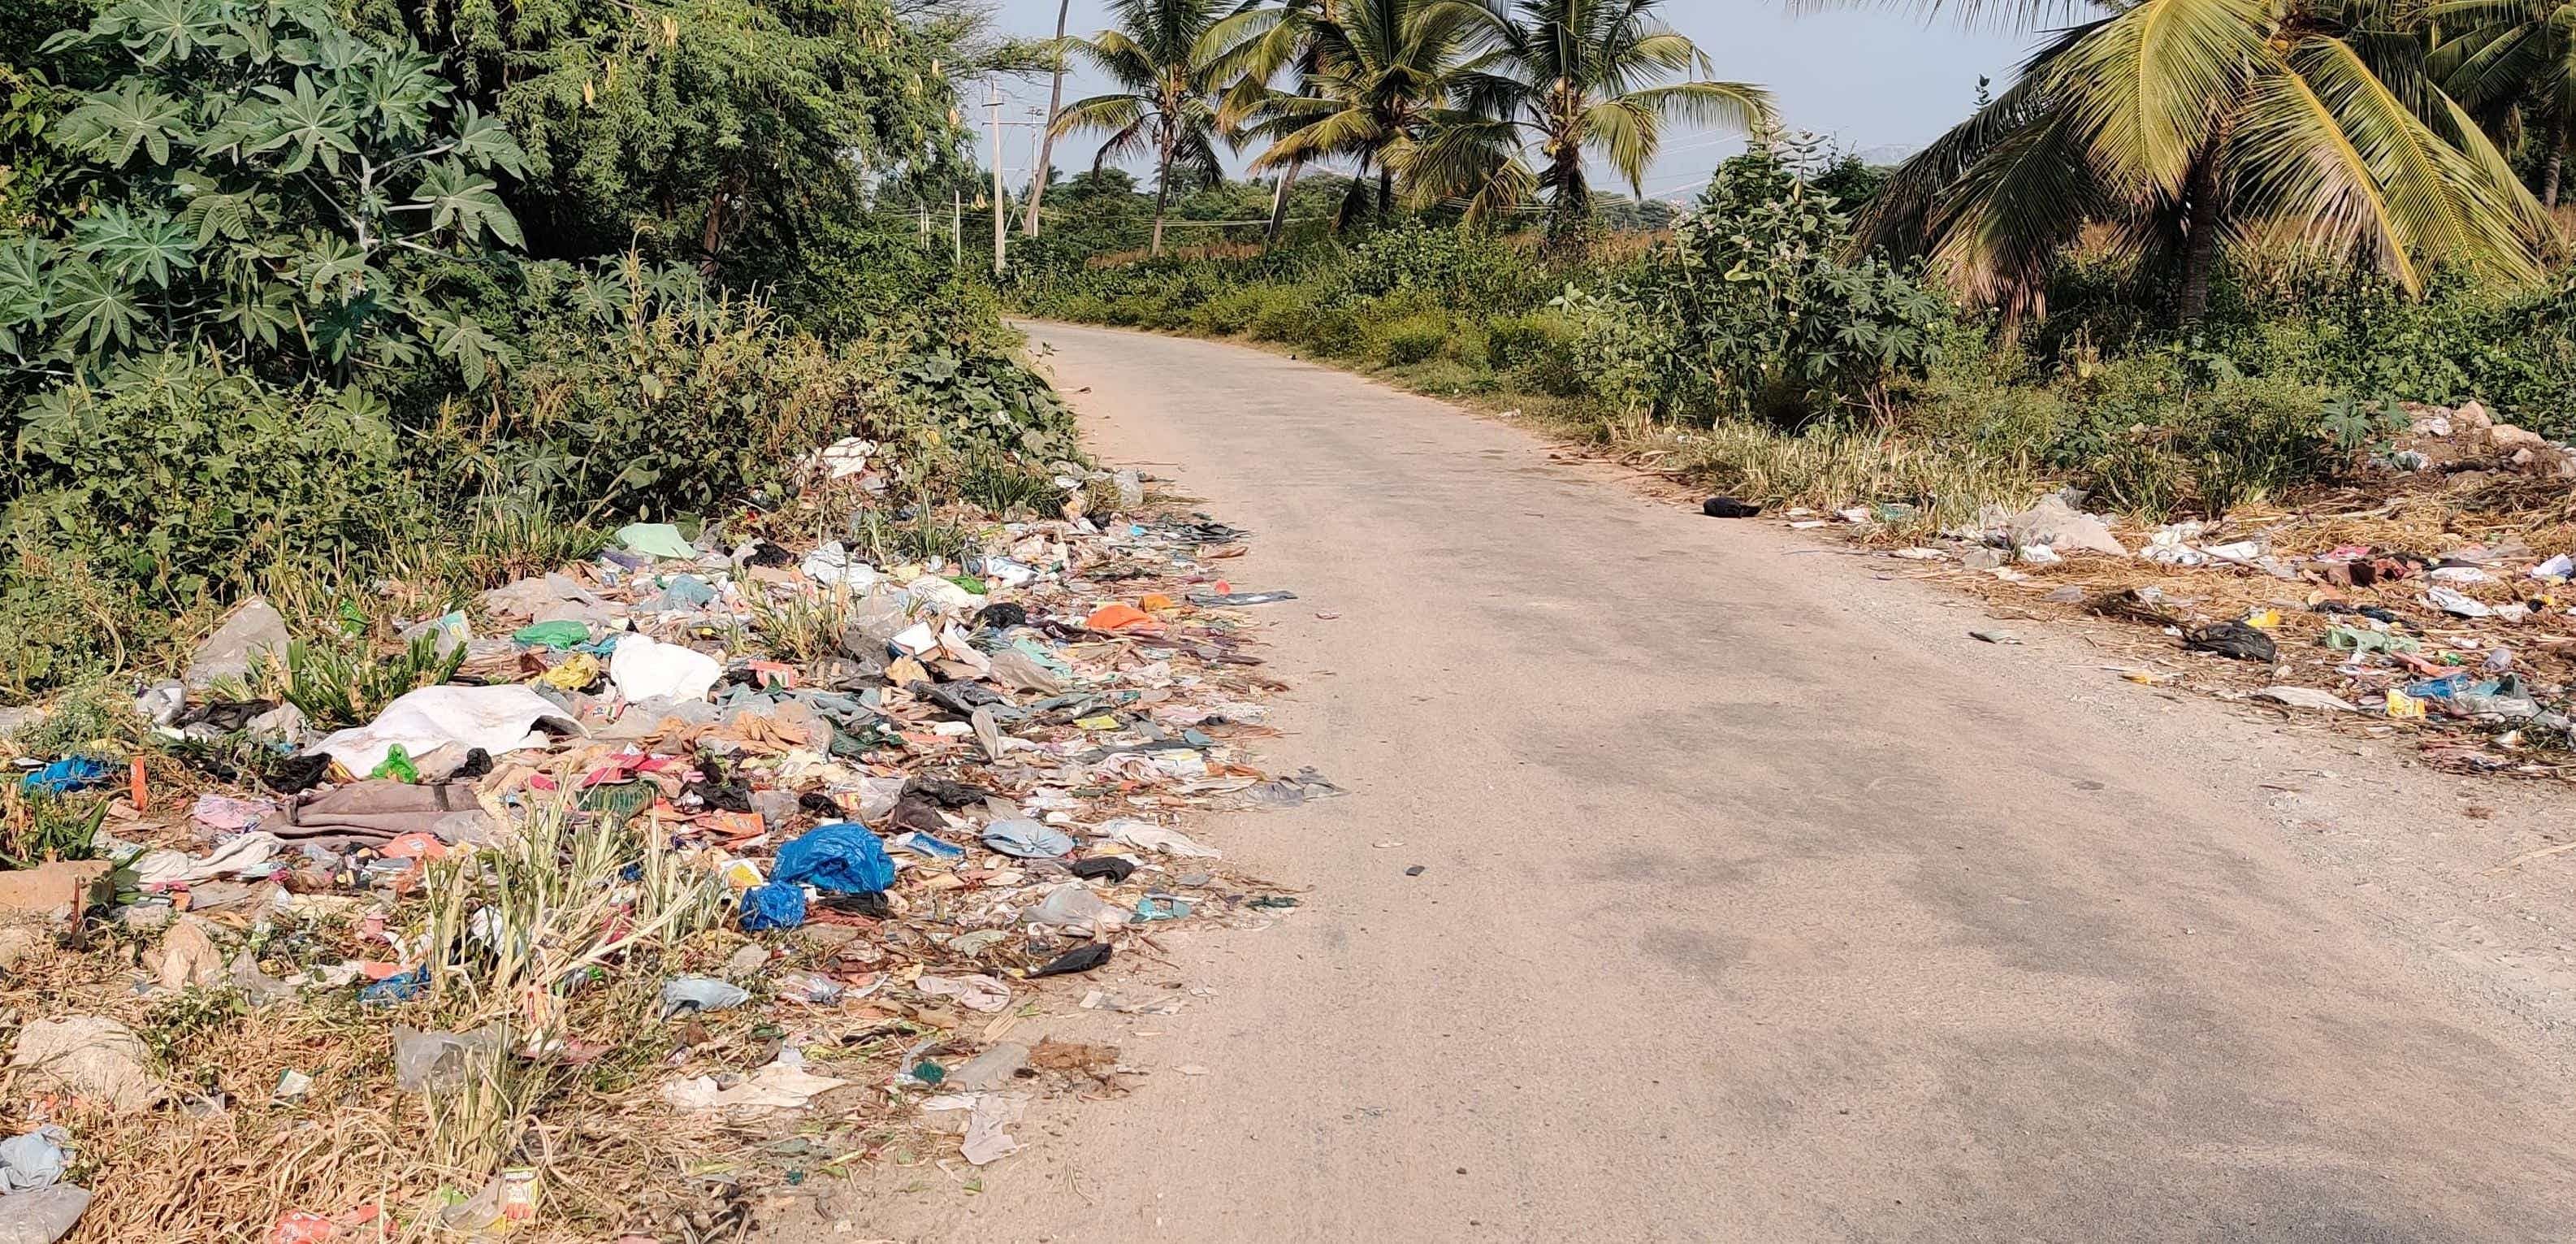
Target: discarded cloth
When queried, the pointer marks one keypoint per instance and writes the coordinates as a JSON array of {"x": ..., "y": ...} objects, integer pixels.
[
  {"x": 376, "y": 812},
  {"x": 445, "y": 722}
]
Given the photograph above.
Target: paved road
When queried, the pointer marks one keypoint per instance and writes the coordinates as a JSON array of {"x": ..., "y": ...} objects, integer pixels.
[{"x": 1761, "y": 904}]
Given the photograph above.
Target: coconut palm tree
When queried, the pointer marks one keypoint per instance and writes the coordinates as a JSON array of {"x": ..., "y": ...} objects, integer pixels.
[
  {"x": 1367, "y": 77},
  {"x": 2183, "y": 124},
  {"x": 1166, "y": 101},
  {"x": 1554, "y": 82},
  {"x": 2511, "y": 60}
]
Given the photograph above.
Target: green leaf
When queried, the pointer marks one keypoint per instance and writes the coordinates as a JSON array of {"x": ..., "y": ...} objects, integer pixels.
[
  {"x": 149, "y": 247},
  {"x": 110, "y": 126},
  {"x": 462, "y": 340},
  {"x": 93, "y": 304},
  {"x": 484, "y": 142},
  {"x": 457, "y": 199},
  {"x": 168, "y": 31},
  {"x": 313, "y": 122},
  {"x": 24, "y": 289}
]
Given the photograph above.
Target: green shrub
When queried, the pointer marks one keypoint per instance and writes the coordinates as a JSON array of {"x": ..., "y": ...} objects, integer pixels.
[
  {"x": 1286, "y": 314},
  {"x": 1413, "y": 338},
  {"x": 185, "y": 478},
  {"x": 1536, "y": 348}
]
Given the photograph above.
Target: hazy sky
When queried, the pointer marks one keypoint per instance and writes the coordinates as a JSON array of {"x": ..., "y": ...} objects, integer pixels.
[{"x": 1866, "y": 79}]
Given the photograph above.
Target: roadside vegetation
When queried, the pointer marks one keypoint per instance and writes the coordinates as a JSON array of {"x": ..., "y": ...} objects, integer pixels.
[
  {"x": 371, "y": 308},
  {"x": 2184, "y": 281}
]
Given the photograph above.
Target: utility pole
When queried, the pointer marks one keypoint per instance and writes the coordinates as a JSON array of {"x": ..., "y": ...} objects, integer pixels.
[
  {"x": 1001, "y": 197},
  {"x": 1046, "y": 130}
]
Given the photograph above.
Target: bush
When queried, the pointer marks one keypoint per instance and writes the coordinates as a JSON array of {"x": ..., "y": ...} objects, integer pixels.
[
  {"x": 1413, "y": 338},
  {"x": 186, "y": 478}
]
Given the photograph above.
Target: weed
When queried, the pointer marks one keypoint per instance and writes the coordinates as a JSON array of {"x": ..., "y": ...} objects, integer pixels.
[
  {"x": 918, "y": 534},
  {"x": 346, "y": 684},
  {"x": 802, "y": 627},
  {"x": 37, "y": 827}
]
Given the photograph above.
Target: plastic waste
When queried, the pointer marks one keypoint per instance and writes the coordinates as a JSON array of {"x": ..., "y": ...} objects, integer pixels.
[
  {"x": 400, "y": 987},
  {"x": 1229, "y": 600},
  {"x": 68, "y": 774},
  {"x": 1114, "y": 868},
  {"x": 1155, "y": 838},
  {"x": 32, "y": 1160},
  {"x": 699, "y": 993},
  {"x": 397, "y": 766},
  {"x": 839, "y": 858},
  {"x": 1073, "y": 905},
  {"x": 975, "y": 993},
  {"x": 1728, "y": 507},
  {"x": 1117, "y": 617},
  {"x": 2232, "y": 639},
  {"x": 647, "y": 669},
  {"x": 2454, "y": 603},
  {"x": 1081, "y": 958},
  {"x": 2354, "y": 639},
  {"x": 656, "y": 540},
  {"x": 552, "y": 635},
  {"x": 42, "y": 1216},
  {"x": 1027, "y": 839},
  {"x": 917, "y": 843},
  {"x": 1154, "y": 907},
  {"x": 777, "y": 905},
  {"x": 448, "y": 721},
  {"x": 431, "y": 1060}
]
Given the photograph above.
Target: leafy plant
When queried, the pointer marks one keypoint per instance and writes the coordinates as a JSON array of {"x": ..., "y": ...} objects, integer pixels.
[
  {"x": 253, "y": 173},
  {"x": 341, "y": 685},
  {"x": 36, "y": 827},
  {"x": 2353, "y": 425}
]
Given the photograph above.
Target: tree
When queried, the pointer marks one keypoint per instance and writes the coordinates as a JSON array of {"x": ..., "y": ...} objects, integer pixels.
[
  {"x": 1167, "y": 98},
  {"x": 719, "y": 131},
  {"x": 1369, "y": 76},
  {"x": 1563, "y": 80},
  {"x": 2509, "y": 59},
  {"x": 250, "y": 178},
  {"x": 1046, "y": 141},
  {"x": 2185, "y": 123}
]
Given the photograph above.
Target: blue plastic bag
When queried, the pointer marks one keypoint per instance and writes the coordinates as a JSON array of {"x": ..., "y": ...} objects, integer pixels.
[
  {"x": 68, "y": 774},
  {"x": 839, "y": 858},
  {"x": 777, "y": 905},
  {"x": 393, "y": 989}
]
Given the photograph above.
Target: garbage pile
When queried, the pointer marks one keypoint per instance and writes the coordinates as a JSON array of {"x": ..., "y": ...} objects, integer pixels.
[
  {"x": 793, "y": 837},
  {"x": 2436, "y": 598}
]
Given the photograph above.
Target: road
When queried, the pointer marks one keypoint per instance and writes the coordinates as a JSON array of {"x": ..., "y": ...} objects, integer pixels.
[{"x": 1759, "y": 903}]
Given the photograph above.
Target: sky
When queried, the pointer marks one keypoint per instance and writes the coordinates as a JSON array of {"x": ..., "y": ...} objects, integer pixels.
[{"x": 1879, "y": 82}]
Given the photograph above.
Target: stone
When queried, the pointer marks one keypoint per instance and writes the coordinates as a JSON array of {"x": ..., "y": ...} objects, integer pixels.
[
  {"x": 2506, "y": 438},
  {"x": 746, "y": 961},
  {"x": 18, "y": 941},
  {"x": 61, "y": 887},
  {"x": 992, "y": 1069},
  {"x": 2471, "y": 417},
  {"x": 254, "y": 633},
  {"x": 90, "y": 1057},
  {"x": 2059, "y": 526}
]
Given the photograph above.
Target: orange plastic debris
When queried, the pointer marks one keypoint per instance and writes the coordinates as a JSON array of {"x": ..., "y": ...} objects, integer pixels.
[
  {"x": 1154, "y": 602},
  {"x": 414, "y": 846},
  {"x": 1116, "y": 618}
]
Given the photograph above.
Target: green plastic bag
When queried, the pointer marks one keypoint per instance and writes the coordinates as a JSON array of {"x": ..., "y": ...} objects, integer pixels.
[
  {"x": 656, "y": 540},
  {"x": 553, "y": 635},
  {"x": 397, "y": 766}
]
